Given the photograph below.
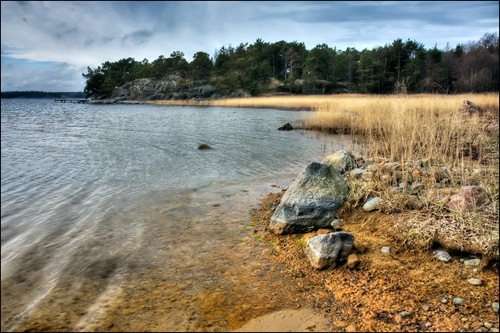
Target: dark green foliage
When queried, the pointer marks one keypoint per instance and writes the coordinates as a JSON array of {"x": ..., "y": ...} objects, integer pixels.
[{"x": 399, "y": 67}]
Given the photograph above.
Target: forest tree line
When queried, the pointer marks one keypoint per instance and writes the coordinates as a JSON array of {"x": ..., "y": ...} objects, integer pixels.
[{"x": 399, "y": 67}]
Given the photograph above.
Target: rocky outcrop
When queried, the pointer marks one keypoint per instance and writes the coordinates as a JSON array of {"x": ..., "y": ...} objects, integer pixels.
[
  {"x": 168, "y": 88},
  {"x": 311, "y": 201}
]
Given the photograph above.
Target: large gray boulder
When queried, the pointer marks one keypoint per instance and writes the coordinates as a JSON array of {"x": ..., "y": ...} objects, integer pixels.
[
  {"x": 311, "y": 201},
  {"x": 325, "y": 250}
]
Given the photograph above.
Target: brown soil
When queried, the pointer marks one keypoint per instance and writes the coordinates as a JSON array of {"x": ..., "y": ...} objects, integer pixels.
[{"x": 402, "y": 291}]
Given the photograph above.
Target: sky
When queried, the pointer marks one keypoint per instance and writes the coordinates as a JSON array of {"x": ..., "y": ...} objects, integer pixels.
[{"x": 47, "y": 45}]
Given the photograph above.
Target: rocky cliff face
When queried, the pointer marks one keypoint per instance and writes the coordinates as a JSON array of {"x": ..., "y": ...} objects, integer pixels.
[{"x": 167, "y": 88}]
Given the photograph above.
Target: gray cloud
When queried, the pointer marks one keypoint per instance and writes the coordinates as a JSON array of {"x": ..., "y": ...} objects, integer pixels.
[
  {"x": 137, "y": 37},
  {"x": 59, "y": 77}
]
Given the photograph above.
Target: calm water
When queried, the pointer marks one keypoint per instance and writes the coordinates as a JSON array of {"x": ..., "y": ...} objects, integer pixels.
[{"x": 112, "y": 219}]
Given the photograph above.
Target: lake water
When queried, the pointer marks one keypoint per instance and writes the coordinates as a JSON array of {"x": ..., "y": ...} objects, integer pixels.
[{"x": 112, "y": 219}]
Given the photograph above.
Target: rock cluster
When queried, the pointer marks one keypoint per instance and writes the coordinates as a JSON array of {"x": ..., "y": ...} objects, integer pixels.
[{"x": 320, "y": 191}]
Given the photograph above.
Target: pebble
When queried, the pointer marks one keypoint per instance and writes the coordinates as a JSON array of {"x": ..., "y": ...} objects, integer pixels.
[
  {"x": 495, "y": 306},
  {"x": 405, "y": 314},
  {"x": 385, "y": 249},
  {"x": 472, "y": 262},
  {"x": 426, "y": 307},
  {"x": 352, "y": 261},
  {"x": 494, "y": 329},
  {"x": 488, "y": 325},
  {"x": 442, "y": 255},
  {"x": 337, "y": 223},
  {"x": 475, "y": 282},
  {"x": 458, "y": 301},
  {"x": 371, "y": 204},
  {"x": 444, "y": 300}
]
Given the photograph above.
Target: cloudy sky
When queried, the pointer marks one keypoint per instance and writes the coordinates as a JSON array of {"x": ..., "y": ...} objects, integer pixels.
[{"x": 48, "y": 45}]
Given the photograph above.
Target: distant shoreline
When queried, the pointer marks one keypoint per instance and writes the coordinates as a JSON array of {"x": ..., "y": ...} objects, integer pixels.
[{"x": 42, "y": 94}]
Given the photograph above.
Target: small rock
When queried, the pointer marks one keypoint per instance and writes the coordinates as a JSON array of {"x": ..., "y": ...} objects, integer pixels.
[
  {"x": 367, "y": 176},
  {"x": 428, "y": 324},
  {"x": 385, "y": 249},
  {"x": 494, "y": 329},
  {"x": 342, "y": 160},
  {"x": 488, "y": 325},
  {"x": 352, "y": 261},
  {"x": 469, "y": 197},
  {"x": 286, "y": 127},
  {"x": 444, "y": 300},
  {"x": 495, "y": 306},
  {"x": 416, "y": 188},
  {"x": 405, "y": 314},
  {"x": 426, "y": 307},
  {"x": 414, "y": 203},
  {"x": 475, "y": 282},
  {"x": 361, "y": 249},
  {"x": 371, "y": 204},
  {"x": 323, "y": 250},
  {"x": 472, "y": 262},
  {"x": 204, "y": 146},
  {"x": 442, "y": 255},
  {"x": 337, "y": 223},
  {"x": 458, "y": 301},
  {"x": 357, "y": 173},
  {"x": 395, "y": 189}
]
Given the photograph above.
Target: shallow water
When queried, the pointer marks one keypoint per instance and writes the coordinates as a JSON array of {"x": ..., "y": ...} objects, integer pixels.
[{"x": 112, "y": 219}]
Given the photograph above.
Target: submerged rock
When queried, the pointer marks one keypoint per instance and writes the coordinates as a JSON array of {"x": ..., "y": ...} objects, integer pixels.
[
  {"x": 204, "y": 146},
  {"x": 286, "y": 127}
]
